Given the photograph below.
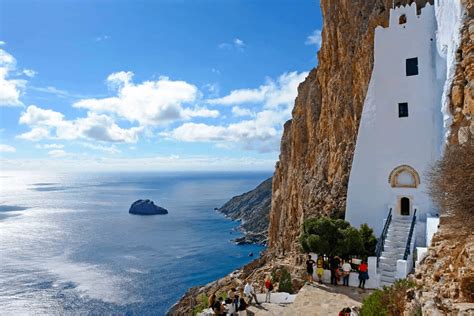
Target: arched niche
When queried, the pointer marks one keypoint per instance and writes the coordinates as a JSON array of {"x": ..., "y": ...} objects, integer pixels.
[{"x": 404, "y": 176}]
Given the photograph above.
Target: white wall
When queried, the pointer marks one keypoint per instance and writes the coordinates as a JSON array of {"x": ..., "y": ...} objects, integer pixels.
[
  {"x": 449, "y": 18},
  {"x": 386, "y": 141}
]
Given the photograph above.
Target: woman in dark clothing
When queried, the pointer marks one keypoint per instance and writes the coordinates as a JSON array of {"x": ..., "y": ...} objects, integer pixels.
[
  {"x": 334, "y": 264},
  {"x": 309, "y": 268}
]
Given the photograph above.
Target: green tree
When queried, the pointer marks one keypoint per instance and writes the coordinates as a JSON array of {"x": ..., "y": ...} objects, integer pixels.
[
  {"x": 368, "y": 239},
  {"x": 285, "y": 282},
  {"x": 336, "y": 237}
]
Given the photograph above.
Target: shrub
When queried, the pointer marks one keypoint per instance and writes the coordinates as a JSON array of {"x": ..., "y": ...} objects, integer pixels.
[
  {"x": 451, "y": 180},
  {"x": 326, "y": 236},
  {"x": 202, "y": 303},
  {"x": 285, "y": 282},
  {"x": 388, "y": 301}
]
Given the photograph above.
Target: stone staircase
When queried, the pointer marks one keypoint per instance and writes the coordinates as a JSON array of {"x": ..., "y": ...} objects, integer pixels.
[{"x": 394, "y": 248}]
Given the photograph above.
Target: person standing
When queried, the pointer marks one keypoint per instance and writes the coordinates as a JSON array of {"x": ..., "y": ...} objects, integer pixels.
[
  {"x": 346, "y": 271},
  {"x": 309, "y": 268},
  {"x": 363, "y": 274},
  {"x": 320, "y": 268},
  {"x": 334, "y": 265},
  {"x": 242, "y": 306},
  {"x": 268, "y": 288},
  {"x": 250, "y": 293}
]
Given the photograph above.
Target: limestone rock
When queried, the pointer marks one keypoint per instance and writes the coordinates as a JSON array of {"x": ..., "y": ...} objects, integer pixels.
[{"x": 318, "y": 142}]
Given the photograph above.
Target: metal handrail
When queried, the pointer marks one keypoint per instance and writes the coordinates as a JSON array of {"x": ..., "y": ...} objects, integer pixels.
[
  {"x": 407, "y": 248},
  {"x": 383, "y": 235}
]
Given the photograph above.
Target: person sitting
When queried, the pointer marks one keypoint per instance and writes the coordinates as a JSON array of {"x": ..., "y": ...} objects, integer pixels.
[
  {"x": 250, "y": 293},
  {"x": 218, "y": 307},
  {"x": 346, "y": 270}
]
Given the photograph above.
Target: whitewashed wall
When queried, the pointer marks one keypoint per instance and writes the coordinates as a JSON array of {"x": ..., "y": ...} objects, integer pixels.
[{"x": 386, "y": 141}]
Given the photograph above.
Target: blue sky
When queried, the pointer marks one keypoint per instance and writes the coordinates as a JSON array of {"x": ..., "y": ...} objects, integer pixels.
[{"x": 150, "y": 85}]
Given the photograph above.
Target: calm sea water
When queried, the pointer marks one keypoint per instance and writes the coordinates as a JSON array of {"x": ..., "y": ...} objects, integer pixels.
[{"x": 69, "y": 246}]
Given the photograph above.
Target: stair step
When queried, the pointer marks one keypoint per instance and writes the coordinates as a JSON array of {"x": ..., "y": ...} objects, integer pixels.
[
  {"x": 387, "y": 279},
  {"x": 387, "y": 267}
]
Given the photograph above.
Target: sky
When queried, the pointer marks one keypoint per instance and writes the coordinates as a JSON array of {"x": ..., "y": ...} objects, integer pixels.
[{"x": 151, "y": 85}]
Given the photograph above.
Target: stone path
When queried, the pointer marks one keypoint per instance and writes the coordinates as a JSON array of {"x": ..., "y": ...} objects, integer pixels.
[{"x": 314, "y": 300}]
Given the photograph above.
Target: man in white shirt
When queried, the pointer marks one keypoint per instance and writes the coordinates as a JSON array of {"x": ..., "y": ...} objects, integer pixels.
[
  {"x": 346, "y": 269},
  {"x": 250, "y": 293}
]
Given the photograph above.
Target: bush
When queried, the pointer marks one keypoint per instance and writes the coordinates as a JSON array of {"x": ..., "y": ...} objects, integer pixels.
[
  {"x": 326, "y": 236},
  {"x": 202, "y": 303},
  {"x": 451, "y": 180},
  {"x": 388, "y": 301},
  {"x": 285, "y": 282}
]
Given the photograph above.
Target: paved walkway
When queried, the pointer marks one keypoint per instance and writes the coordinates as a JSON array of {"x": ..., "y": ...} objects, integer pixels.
[{"x": 314, "y": 300}]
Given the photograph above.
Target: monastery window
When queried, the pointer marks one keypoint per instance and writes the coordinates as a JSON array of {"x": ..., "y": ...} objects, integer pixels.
[
  {"x": 404, "y": 177},
  {"x": 412, "y": 66},
  {"x": 402, "y": 19},
  {"x": 403, "y": 109}
]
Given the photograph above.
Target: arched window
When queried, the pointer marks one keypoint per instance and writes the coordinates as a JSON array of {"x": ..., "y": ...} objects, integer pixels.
[
  {"x": 404, "y": 176},
  {"x": 402, "y": 19}
]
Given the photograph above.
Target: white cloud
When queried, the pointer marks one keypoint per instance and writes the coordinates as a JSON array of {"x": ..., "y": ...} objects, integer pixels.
[
  {"x": 49, "y": 146},
  {"x": 272, "y": 94},
  {"x": 314, "y": 39},
  {"x": 10, "y": 89},
  {"x": 57, "y": 153},
  {"x": 165, "y": 163},
  {"x": 49, "y": 124},
  {"x": 149, "y": 103},
  {"x": 2, "y": 43},
  {"x": 35, "y": 134},
  {"x": 236, "y": 43},
  {"x": 29, "y": 73},
  {"x": 7, "y": 149},
  {"x": 102, "y": 38},
  {"x": 108, "y": 149},
  {"x": 261, "y": 133},
  {"x": 238, "y": 111}
]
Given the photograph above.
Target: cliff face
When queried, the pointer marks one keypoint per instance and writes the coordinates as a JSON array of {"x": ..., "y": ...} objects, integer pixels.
[
  {"x": 318, "y": 142},
  {"x": 445, "y": 277},
  {"x": 462, "y": 91},
  {"x": 252, "y": 210}
]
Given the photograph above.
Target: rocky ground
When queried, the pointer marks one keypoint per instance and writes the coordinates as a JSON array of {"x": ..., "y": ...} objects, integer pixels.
[
  {"x": 445, "y": 277},
  {"x": 315, "y": 300}
]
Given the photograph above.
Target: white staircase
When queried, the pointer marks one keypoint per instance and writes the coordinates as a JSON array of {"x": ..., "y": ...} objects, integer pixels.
[{"x": 394, "y": 248}]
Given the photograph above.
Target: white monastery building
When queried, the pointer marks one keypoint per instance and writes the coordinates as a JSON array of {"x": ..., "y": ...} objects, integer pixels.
[{"x": 400, "y": 137}]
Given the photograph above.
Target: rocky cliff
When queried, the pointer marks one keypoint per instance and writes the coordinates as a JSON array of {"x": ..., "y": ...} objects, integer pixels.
[
  {"x": 445, "y": 278},
  {"x": 252, "y": 210},
  {"x": 318, "y": 142}
]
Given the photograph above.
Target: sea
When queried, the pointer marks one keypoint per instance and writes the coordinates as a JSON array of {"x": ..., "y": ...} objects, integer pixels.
[{"x": 69, "y": 246}]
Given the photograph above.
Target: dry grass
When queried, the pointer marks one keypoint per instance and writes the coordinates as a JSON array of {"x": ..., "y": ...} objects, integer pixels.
[{"x": 451, "y": 181}]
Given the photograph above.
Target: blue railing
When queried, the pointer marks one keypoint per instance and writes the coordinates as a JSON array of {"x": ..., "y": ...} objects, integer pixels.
[
  {"x": 410, "y": 235},
  {"x": 381, "y": 242}
]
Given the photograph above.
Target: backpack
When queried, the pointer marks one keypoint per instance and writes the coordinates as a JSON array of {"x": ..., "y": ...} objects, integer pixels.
[{"x": 270, "y": 288}]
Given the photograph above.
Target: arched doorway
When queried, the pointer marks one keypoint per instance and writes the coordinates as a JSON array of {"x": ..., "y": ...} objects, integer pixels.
[{"x": 405, "y": 206}]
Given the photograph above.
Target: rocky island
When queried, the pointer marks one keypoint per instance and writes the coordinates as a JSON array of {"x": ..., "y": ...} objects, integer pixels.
[{"x": 146, "y": 207}]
